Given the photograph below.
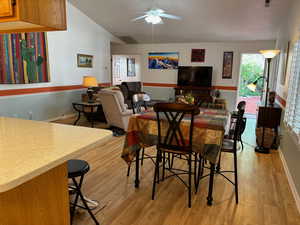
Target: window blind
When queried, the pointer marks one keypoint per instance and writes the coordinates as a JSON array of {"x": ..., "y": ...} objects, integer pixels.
[{"x": 292, "y": 114}]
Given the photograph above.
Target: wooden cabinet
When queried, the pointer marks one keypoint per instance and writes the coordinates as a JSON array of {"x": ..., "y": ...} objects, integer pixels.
[
  {"x": 6, "y": 8},
  {"x": 269, "y": 119},
  {"x": 32, "y": 15}
]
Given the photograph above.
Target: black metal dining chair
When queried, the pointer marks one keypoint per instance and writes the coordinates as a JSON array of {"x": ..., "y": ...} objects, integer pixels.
[
  {"x": 241, "y": 106},
  {"x": 230, "y": 146},
  {"x": 173, "y": 142}
]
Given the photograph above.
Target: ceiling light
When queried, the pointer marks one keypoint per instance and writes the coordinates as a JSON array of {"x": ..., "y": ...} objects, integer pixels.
[{"x": 153, "y": 19}]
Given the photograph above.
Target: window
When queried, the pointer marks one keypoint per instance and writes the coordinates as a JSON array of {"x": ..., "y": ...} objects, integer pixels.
[{"x": 292, "y": 114}]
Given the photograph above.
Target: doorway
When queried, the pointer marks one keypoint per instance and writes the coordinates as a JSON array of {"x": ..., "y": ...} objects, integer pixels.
[
  {"x": 251, "y": 72},
  {"x": 126, "y": 68}
]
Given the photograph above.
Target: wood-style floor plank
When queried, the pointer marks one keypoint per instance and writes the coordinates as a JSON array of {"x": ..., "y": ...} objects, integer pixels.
[{"x": 265, "y": 195}]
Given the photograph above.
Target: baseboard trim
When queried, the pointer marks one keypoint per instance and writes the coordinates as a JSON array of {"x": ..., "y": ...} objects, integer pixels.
[
  {"x": 61, "y": 117},
  {"x": 290, "y": 180}
]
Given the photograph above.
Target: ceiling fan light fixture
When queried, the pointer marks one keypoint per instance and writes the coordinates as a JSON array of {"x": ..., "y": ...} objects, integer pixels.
[{"x": 153, "y": 19}]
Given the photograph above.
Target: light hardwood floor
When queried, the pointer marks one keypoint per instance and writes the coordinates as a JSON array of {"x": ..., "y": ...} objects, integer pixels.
[{"x": 265, "y": 196}]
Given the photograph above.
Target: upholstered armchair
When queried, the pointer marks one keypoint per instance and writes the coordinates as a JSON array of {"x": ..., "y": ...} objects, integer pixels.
[
  {"x": 129, "y": 89},
  {"x": 116, "y": 111}
]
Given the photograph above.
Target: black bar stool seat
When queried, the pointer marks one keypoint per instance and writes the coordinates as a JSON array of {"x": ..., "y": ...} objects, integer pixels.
[{"x": 77, "y": 168}]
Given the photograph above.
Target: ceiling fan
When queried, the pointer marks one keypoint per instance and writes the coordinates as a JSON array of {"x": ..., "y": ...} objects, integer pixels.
[{"x": 155, "y": 15}]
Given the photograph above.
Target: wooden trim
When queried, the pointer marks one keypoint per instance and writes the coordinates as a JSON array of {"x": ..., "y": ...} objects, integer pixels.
[
  {"x": 228, "y": 88},
  {"x": 27, "y": 91},
  {"x": 231, "y": 88},
  {"x": 159, "y": 85},
  {"x": 290, "y": 180},
  {"x": 105, "y": 85},
  {"x": 281, "y": 100}
]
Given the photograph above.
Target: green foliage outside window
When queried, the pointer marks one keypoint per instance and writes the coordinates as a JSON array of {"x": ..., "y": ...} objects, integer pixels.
[{"x": 251, "y": 69}]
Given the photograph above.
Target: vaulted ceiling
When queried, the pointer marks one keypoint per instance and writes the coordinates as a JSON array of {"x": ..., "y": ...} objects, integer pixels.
[{"x": 202, "y": 20}]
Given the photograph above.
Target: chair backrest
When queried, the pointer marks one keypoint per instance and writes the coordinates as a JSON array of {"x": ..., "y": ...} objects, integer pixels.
[
  {"x": 241, "y": 105},
  {"x": 135, "y": 86},
  {"x": 170, "y": 134},
  {"x": 238, "y": 125},
  {"x": 139, "y": 101}
]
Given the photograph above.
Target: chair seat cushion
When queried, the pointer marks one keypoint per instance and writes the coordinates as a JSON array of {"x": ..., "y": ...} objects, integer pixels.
[
  {"x": 77, "y": 168},
  {"x": 228, "y": 145}
]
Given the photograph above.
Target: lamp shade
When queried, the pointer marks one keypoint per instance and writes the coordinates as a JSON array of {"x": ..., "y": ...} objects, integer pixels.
[
  {"x": 269, "y": 54},
  {"x": 252, "y": 87},
  {"x": 89, "y": 81}
]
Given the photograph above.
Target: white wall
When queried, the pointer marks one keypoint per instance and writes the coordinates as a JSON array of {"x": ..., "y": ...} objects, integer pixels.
[
  {"x": 119, "y": 69},
  {"x": 82, "y": 36},
  {"x": 213, "y": 57},
  {"x": 289, "y": 31}
]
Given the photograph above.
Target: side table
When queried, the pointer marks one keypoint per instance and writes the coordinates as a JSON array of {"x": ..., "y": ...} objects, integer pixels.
[{"x": 89, "y": 110}]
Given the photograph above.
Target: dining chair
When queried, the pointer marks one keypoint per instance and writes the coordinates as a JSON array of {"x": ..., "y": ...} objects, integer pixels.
[
  {"x": 174, "y": 139},
  {"x": 241, "y": 105},
  {"x": 138, "y": 101},
  {"x": 230, "y": 146}
]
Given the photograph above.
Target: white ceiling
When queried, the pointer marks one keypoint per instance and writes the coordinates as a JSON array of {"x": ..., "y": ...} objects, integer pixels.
[{"x": 202, "y": 20}]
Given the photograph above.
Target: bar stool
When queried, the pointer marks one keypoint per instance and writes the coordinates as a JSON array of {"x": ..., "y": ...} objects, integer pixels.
[{"x": 77, "y": 169}]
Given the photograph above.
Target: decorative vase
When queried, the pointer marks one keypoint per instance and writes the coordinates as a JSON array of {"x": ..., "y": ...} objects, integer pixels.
[{"x": 272, "y": 96}]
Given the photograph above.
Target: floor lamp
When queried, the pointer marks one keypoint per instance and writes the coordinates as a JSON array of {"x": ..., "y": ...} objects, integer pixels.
[{"x": 269, "y": 55}]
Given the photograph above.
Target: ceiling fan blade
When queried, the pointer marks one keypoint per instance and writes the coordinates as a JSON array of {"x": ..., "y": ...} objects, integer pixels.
[
  {"x": 160, "y": 11},
  {"x": 139, "y": 18},
  {"x": 170, "y": 16}
]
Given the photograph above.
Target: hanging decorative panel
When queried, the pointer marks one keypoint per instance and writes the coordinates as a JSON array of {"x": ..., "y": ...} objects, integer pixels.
[{"x": 23, "y": 58}]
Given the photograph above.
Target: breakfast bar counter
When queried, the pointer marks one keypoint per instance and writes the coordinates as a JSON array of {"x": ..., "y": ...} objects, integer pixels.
[{"x": 33, "y": 169}]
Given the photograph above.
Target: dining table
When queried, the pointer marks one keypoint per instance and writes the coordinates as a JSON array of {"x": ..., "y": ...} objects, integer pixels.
[{"x": 209, "y": 128}]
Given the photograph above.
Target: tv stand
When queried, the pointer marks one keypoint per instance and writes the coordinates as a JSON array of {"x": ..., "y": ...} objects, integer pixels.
[{"x": 201, "y": 94}]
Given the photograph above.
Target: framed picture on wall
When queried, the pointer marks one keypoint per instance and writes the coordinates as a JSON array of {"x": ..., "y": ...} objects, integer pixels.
[
  {"x": 24, "y": 58},
  {"x": 163, "y": 60},
  {"x": 198, "y": 55},
  {"x": 85, "y": 60},
  {"x": 227, "y": 65},
  {"x": 131, "y": 67}
]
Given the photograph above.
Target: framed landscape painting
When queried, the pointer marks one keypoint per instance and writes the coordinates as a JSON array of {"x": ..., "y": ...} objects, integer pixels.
[
  {"x": 227, "y": 65},
  {"x": 85, "y": 60},
  {"x": 23, "y": 58},
  {"x": 163, "y": 60}
]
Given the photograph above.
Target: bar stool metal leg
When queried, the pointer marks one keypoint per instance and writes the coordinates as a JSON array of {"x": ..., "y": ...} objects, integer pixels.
[{"x": 79, "y": 193}]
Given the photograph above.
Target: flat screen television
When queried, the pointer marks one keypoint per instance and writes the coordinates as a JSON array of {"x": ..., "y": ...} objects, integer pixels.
[{"x": 198, "y": 76}]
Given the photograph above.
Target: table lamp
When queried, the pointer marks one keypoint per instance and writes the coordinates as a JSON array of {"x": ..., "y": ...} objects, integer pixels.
[
  {"x": 90, "y": 82},
  {"x": 253, "y": 85},
  {"x": 269, "y": 55}
]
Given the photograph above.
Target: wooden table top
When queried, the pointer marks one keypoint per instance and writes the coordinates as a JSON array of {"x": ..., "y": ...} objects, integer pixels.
[{"x": 30, "y": 148}]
